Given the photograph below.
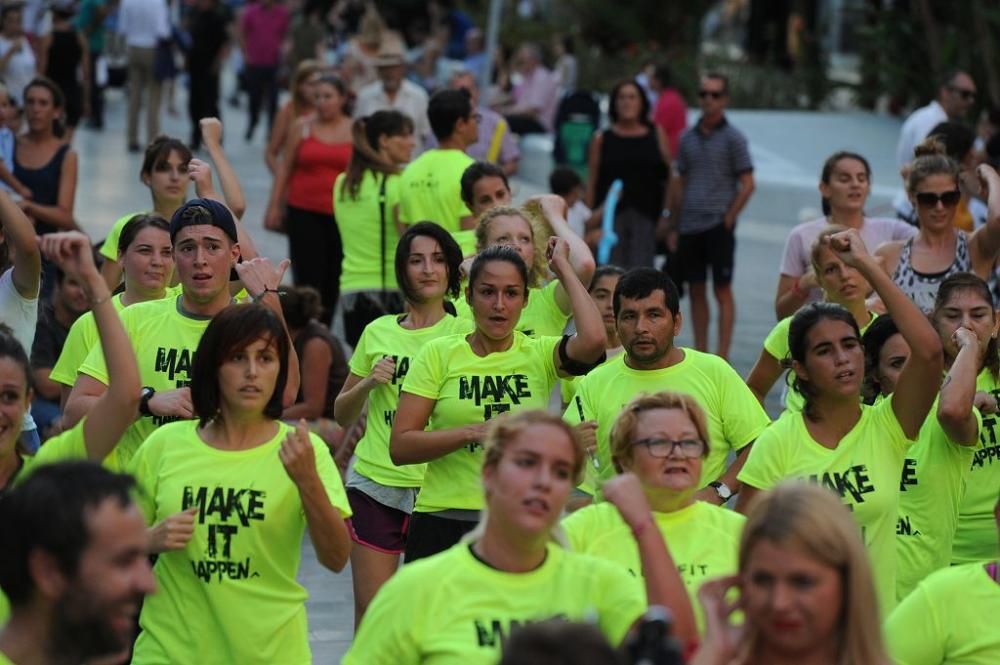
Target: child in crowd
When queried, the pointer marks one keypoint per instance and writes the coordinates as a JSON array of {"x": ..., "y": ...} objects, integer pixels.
[
  {"x": 565, "y": 182},
  {"x": 9, "y": 113}
]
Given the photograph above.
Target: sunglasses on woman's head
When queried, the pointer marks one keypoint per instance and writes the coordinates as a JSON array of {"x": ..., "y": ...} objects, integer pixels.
[{"x": 930, "y": 199}]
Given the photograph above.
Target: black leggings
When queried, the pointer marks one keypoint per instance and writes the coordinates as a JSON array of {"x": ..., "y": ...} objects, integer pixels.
[{"x": 316, "y": 253}]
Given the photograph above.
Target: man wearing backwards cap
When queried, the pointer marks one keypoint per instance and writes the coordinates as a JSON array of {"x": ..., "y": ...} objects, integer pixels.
[
  {"x": 165, "y": 333},
  {"x": 392, "y": 92}
]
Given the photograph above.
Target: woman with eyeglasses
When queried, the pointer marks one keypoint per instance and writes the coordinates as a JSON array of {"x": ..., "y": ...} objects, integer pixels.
[
  {"x": 939, "y": 249},
  {"x": 663, "y": 440}
]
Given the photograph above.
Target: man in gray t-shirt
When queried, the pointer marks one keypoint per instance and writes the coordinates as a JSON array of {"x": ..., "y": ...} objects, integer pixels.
[{"x": 713, "y": 181}]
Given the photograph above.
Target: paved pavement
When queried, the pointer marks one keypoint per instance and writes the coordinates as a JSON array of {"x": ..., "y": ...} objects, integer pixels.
[{"x": 788, "y": 149}]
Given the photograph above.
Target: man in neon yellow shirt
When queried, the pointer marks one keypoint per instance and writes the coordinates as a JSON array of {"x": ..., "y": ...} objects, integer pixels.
[
  {"x": 166, "y": 332},
  {"x": 647, "y": 316},
  {"x": 430, "y": 188},
  {"x": 74, "y": 565}
]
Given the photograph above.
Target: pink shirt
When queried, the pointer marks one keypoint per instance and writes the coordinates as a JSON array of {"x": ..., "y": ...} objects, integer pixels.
[
  {"x": 670, "y": 115},
  {"x": 263, "y": 30},
  {"x": 539, "y": 90}
]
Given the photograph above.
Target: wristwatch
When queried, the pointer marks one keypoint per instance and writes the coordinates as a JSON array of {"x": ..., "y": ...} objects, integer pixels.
[
  {"x": 145, "y": 395},
  {"x": 722, "y": 490}
]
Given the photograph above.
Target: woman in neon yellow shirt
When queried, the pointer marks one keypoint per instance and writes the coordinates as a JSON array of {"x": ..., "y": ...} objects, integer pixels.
[
  {"x": 805, "y": 588},
  {"x": 937, "y": 466},
  {"x": 146, "y": 256},
  {"x": 459, "y": 382},
  {"x": 950, "y": 618},
  {"x": 382, "y": 494},
  {"x": 485, "y": 186},
  {"x": 458, "y": 607},
  {"x": 231, "y": 495},
  {"x": 842, "y": 285},
  {"x": 366, "y": 197},
  {"x": 662, "y": 439},
  {"x": 852, "y": 449},
  {"x": 549, "y": 309}
]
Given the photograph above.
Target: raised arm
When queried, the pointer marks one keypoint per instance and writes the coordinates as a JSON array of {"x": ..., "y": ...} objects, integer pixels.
[
  {"x": 20, "y": 234},
  {"x": 664, "y": 585},
  {"x": 587, "y": 345},
  {"x": 112, "y": 412},
  {"x": 921, "y": 377},
  {"x": 985, "y": 242},
  {"x": 580, "y": 257},
  {"x": 232, "y": 191},
  {"x": 958, "y": 392}
]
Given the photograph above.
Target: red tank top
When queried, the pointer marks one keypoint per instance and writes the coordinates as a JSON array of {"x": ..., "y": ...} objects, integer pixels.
[{"x": 317, "y": 166}]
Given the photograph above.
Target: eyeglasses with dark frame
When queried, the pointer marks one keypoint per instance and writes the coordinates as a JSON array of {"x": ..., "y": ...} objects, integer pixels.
[
  {"x": 714, "y": 94},
  {"x": 930, "y": 199},
  {"x": 662, "y": 448}
]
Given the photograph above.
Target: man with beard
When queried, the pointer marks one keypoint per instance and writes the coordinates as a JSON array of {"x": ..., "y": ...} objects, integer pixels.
[
  {"x": 74, "y": 565},
  {"x": 647, "y": 316}
]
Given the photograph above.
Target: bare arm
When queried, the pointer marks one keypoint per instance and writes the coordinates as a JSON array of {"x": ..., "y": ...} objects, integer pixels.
[
  {"x": 43, "y": 385},
  {"x": 958, "y": 392},
  {"x": 746, "y": 189},
  {"x": 589, "y": 342},
  {"x": 315, "y": 366},
  {"x": 593, "y": 168},
  {"x": 327, "y": 530},
  {"x": 793, "y": 293},
  {"x": 82, "y": 398},
  {"x": 285, "y": 168},
  {"x": 410, "y": 444},
  {"x": 42, "y": 55},
  {"x": 986, "y": 240},
  {"x": 273, "y": 151},
  {"x": 730, "y": 478},
  {"x": 765, "y": 372},
  {"x": 20, "y": 233},
  {"x": 580, "y": 257},
  {"x": 232, "y": 191},
  {"x": 744, "y": 499},
  {"x": 351, "y": 400}
]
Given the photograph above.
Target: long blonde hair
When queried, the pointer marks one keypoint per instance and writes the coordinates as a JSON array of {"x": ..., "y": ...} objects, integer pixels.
[
  {"x": 503, "y": 430},
  {"x": 813, "y": 521},
  {"x": 539, "y": 268}
]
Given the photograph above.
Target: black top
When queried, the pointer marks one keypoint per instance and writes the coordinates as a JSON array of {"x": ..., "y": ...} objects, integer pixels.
[
  {"x": 338, "y": 366},
  {"x": 43, "y": 183},
  {"x": 50, "y": 337},
  {"x": 65, "y": 55},
  {"x": 209, "y": 33},
  {"x": 638, "y": 162}
]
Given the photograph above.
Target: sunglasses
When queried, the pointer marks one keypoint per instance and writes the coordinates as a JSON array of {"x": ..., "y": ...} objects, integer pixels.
[
  {"x": 965, "y": 94},
  {"x": 930, "y": 199},
  {"x": 714, "y": 94}
]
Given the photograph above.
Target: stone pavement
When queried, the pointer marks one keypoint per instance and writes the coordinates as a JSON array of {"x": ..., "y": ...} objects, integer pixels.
[{"x": 788, "y": 149}]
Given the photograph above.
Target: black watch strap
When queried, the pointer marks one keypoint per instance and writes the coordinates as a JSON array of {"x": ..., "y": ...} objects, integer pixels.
[{"x": 144, "y": 397}]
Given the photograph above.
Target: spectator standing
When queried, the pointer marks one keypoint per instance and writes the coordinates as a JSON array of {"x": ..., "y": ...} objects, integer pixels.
[
  {"x": 262, "y": 30},
  {"x": 63, "y": 56},
  {"x": 144, "y": 23},
  {"x": 956, "y": 95},
  {"x": 534, "y": 98},
  {"x": 209, "y": 28},
  {"x": 565, "y": 68},
  {"x": 302, "y": 90},
  {"x": 475, "y": 53},
  {"x": 496, "y": 142},
  {"x": 69, "y": 301},
  {"x": 17, "y": 58},
  {"x": 670, "y": 111},
  {"x": 90, "y": 22},
  {"x": 392, "y": 92},
  {"x": 631, "y": 151},
  {"x": 307, "y": 37},
  {"x": 713, "y": 182}
]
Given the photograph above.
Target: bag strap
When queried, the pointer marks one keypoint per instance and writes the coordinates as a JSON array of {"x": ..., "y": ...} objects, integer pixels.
[
  {"x": 381, "y": 214},
  {"x": 496, "y": 143}
]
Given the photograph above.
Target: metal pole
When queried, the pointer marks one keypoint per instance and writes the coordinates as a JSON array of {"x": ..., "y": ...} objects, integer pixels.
[{"x": 492, "y": 30}]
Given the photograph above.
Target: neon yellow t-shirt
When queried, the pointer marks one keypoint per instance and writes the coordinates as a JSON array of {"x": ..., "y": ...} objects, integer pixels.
[
  {"x": 164, "y": 341},
  {"x": 231, "y": 595},
  {"x": 109, "y": 249},
  {"x": 4, "y": 660},
  {"x": 541, "y": 317},
  {"x": 471, "y": 389},
  {"x": 864, "y": 470},
  {"x": 976, "y": 537},
  {"x": 386, "y": 337},
  {"x": 949, "y": 619},
  {"x": 930, "y": 492},
  {"x": 735, "y": 417},
  {"x": 452, "y": 609},
  {"x": 430, "y": 189},
  {"x": 704, "y": 542},
  {"x": 776, "y": 344},
  {"x": 360, "y": 233},
  {"x": 82, "y": 337}
]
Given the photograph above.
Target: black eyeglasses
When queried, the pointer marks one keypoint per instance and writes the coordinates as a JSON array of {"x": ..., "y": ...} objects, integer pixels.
[
  {"x": 689, "y": 448},
  {"x": 930, "y": 199},
  {"x": 714, "y": 94},
  {"x": 964, "y": 93}
]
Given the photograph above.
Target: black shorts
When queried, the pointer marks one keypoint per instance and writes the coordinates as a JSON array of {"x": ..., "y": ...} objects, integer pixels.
[
  {"x": 376, "y": 526},
  {"x": 714, "y": 247},
  {"x": 430, "y": 535}
]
